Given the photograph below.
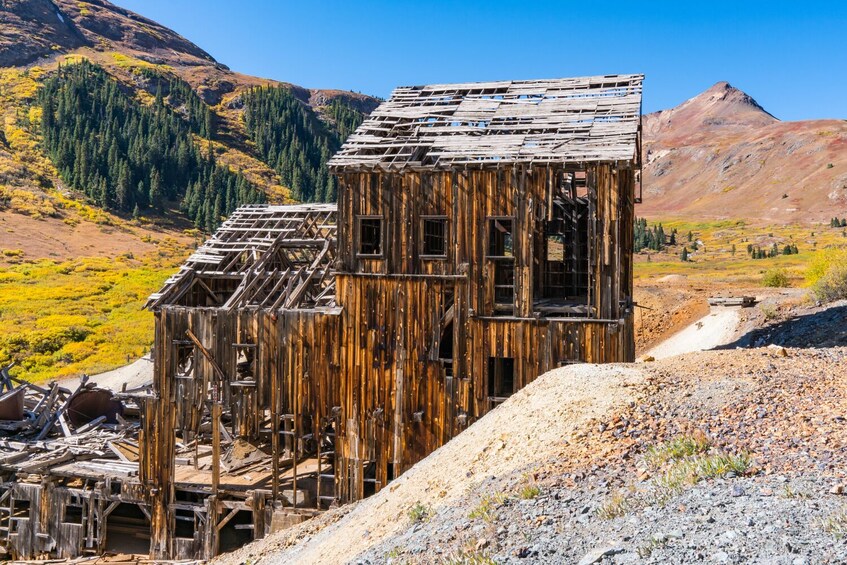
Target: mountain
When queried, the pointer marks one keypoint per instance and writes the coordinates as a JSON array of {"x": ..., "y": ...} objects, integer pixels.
[
  {"x": 721, "y": 155},
  {"x": 108, "y": 116}
]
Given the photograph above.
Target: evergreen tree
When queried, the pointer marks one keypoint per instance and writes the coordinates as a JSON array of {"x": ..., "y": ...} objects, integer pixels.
[{"x": 684, "y": 255}]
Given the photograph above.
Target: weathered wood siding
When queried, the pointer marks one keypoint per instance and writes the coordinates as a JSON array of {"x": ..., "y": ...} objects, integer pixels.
[
  {"x": 399, "y": 402},
  {"x": 468, "y": 199}
]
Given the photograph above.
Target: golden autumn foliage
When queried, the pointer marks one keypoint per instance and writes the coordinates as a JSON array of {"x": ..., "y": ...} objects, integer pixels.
[{"x": 60, "y": 319}]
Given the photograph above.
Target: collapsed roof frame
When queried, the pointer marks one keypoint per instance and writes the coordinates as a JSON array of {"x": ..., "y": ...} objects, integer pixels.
[
  {"x": 441, "y": 126},
  {"x": 280, "y": 257}
]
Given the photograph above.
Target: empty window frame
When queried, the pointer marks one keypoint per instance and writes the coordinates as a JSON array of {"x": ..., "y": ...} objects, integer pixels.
[
  {"x": 370, "y": 236},
  {"x": 504, "y": 283},
  {"x": 434, "y": 233},
  {"x": 501, "y": 377},
  {"x": 73, "y": 512},
  {"x": 500, "y": 240}
]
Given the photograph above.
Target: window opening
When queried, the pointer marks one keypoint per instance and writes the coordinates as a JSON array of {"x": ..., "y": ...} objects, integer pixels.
[{"x": 370, "y": 236}]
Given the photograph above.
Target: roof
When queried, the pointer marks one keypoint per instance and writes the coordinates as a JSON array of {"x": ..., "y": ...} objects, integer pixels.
[
  {"x": 270, "y": 257},
  {"x": 495, "y": 123}
]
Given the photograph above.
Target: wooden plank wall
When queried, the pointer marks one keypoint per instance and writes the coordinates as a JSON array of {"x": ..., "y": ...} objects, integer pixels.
[
  {"x": 468, "y": 198},
  {"x": 45, "y": 532},
  {"x": 398, "y": 404},
  {"x": 390, "y": 372}
]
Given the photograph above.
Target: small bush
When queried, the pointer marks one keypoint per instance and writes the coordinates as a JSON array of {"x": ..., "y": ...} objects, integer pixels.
[
  {"x": 615, "y": 506},
  {"x": 775, "y": 278},
  {"x": 836, "y": 523},
  {"x": 486, "y": 509},
  {"x": 677, "y": 448},
  {"x": 769, "y": 312},
  {"x": 646, "y": 550},
  {"x": 529, "y": 491},
  {"x": 419, "y": 513}
]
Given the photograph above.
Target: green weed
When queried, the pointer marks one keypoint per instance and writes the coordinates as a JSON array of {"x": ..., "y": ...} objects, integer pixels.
[
  {"x": 677, "y": 448},
  {"x": 419, "y": 513}
]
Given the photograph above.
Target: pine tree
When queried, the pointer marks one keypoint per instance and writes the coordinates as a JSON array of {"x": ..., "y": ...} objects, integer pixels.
[
  {"x": 684, "y": 255},
  {"x": 156, "y": 190}
]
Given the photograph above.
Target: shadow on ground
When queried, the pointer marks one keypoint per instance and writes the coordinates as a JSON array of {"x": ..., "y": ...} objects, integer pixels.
[{"x": 823, "y": 328}]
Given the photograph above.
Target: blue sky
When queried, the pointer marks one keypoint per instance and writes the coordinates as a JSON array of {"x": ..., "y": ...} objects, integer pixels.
[{"x": 790, "y": 56}]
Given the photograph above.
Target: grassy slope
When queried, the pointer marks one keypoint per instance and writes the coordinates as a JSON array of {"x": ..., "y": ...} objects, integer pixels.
[
  {"x": 714, "y": 262},
  {"x": 82, "y": 315}
]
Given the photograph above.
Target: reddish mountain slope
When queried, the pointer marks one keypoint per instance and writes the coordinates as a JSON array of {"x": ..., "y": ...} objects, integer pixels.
[{"x": 721, "y": 155}]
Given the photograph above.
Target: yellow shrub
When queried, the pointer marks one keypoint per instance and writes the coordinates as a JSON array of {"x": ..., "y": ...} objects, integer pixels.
[
  {"x": 35, "y": 115},
  {"x": 61, "y": 319},
  {"x": 827, "y": 274}
]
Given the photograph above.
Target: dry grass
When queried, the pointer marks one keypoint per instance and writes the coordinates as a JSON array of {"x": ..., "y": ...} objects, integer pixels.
[
  {"x": 691, "y": 470},
  {"x": 836, "y": 523},
  {"x": 487, "y": 507},
  {"x": 617, "y": 505},
  {"x": 469, "y": 557}
]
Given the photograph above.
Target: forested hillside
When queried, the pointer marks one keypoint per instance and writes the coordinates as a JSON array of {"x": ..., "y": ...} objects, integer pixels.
[
  {"x": 128, "y": 157},
  {"x": 295, "y": 142},
  {"x": 106, "y": 117}
]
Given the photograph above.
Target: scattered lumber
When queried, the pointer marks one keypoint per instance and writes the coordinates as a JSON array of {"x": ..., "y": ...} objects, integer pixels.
[{"x": 744, "y": 301}]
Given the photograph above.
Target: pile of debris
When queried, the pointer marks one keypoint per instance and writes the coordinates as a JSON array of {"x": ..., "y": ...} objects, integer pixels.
[{"x": 49, "y": 425}]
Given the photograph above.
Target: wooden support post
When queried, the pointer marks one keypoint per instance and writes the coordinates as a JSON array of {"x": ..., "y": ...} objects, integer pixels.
[
  {"x": 295, "y": 434},
  {"x": 210, "y": 535},
  {"x": 258, "y": 515},
  {"x": 216, "y": 447},
  {"x": 275, "y": 389}
]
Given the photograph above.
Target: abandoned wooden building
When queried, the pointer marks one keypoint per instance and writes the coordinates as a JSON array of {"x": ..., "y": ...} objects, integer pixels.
[{"x": 307, "y": 355}]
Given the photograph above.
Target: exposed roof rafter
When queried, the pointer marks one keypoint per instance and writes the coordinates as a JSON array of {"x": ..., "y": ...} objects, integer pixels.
[{"x": 498, "y": 123}]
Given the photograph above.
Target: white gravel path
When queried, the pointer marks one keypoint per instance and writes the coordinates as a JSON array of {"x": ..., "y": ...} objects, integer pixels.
[
  {"x": 136, "y": 374},
  {"x": 719, "y": 327}
]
